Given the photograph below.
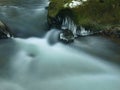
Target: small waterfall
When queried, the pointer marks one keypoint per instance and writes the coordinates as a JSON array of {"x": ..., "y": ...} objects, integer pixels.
[
  {"x": 83, "y": 32},
  {"x": 68, "y": 23}
]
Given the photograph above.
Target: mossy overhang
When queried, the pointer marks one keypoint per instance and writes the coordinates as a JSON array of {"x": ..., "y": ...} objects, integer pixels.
[{"x": 95, "y": 14}]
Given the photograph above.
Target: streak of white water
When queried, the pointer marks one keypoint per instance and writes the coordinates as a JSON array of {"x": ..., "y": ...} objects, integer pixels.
[
  {"x": 70, "y": 25},
  {"x": 40, "y": 66}
]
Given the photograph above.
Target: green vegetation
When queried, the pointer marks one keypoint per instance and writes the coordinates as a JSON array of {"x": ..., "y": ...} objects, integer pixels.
[{"x": 93, "y": 14}]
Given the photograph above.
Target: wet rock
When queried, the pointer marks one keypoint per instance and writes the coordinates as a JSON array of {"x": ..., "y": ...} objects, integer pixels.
[
  {"x": 92, "y": 14},
  {"x": 113, "y": 32},
  {"x": 5, "y": 31},
  {"x": 66, "y": 36}
]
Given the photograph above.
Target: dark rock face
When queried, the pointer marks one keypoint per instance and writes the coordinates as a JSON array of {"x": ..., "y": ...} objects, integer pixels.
[
  {"x": 5, "y": 31},
  {"x": 113, "y": 32}
]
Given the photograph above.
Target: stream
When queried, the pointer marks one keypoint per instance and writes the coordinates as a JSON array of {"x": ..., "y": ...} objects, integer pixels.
[{"x": 36, "y": 60}]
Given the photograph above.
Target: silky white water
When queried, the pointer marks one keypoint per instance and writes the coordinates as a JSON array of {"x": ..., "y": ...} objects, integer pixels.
[{"x": 34, "y": 63}]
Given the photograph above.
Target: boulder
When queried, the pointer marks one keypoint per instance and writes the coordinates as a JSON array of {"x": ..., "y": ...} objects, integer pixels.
[
  {"x": 5, "y": 31},
  {"x": 113, "y": 32},
  {"x": 66, "y": 36}
]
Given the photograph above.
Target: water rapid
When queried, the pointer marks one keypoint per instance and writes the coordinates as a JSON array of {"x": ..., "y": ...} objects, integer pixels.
[{"x": 36, "y": 60}]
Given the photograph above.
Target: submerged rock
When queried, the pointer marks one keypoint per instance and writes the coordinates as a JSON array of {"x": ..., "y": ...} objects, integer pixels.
[
  {"x": 95, "y": 15},
  {"x": 5, "y": 31}
]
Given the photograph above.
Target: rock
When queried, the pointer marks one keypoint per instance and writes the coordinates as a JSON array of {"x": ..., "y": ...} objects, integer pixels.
[
  {"x": 95, "y": 15},
  {"x": 5, "y": 31},
  {"x": 113, "y": 32},
  {"x": 66, "y": 36}
]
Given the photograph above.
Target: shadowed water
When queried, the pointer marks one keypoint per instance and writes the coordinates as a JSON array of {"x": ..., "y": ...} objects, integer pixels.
[
  {"x": 34, "y": 63},
  {"x": 25, "y": 21}
]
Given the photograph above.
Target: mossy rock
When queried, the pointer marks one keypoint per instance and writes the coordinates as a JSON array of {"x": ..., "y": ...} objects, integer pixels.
[{"x": 91, "y": 14}]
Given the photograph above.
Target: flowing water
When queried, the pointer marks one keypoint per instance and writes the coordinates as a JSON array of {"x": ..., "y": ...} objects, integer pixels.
[{"x": 36, "y": 60}]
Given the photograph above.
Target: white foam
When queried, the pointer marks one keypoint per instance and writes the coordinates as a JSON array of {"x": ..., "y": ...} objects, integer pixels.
[{"x": 36, "y": 65}]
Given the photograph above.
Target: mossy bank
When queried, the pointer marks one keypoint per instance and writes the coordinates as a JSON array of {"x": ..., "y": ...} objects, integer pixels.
[{"x": 91, "y": 14}]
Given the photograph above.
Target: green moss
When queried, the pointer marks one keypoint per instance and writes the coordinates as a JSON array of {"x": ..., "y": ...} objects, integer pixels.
[
  {"x": 55, "y": 6},
  {"x": 95, "y": 14}
]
